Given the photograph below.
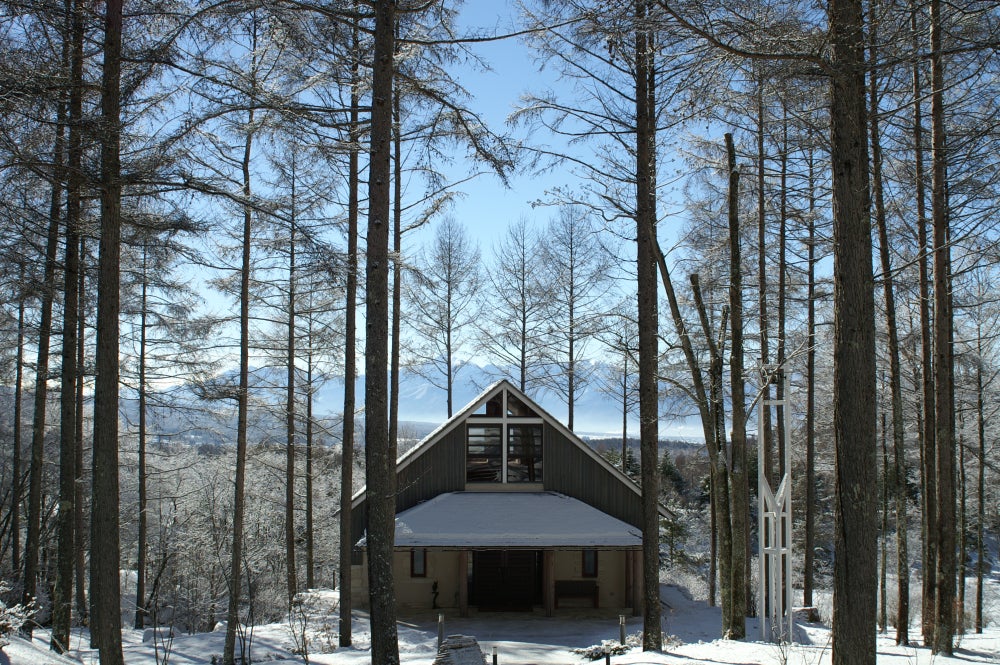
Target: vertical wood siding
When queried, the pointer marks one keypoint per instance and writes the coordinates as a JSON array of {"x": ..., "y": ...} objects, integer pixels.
[
  {"x": 439, "y": 469},
  {"x": 573, "y": 472}
]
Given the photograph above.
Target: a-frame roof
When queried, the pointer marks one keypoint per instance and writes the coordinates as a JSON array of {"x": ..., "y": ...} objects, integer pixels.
[{"x": 472, "y": 407}]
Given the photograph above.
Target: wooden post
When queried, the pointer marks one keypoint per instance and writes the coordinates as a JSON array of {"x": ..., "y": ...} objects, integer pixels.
[
  {"x": 463, "y": 583},
  {"x": 548, "y": 581},
  {"x": 629, "y": 581},
  {"x": 637, "y": 582}
]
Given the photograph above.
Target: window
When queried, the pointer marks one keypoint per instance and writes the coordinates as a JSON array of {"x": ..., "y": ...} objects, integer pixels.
[
  {"x": 484, "y": 459},
  {"x": 418, "y": 563},
  {"x": 524, "y": 454},
  {"x": 589, "y": 563}
]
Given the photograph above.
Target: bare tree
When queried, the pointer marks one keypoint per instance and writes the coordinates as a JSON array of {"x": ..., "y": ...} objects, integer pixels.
[
  {"x": 104, "y": 539},
  {"x": 443, "y": 304},
  {"x": 513, "y": 329},
  {"x": 380, "y": 450},
  {"x": 577, "y": 271}
]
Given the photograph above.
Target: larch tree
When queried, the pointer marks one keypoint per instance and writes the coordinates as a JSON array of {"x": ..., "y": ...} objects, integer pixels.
[
  {"x": 443, "y": 296},
  {"x": 105, "y": 528},
  {"x": 513, "y": 331},
  {"x": 380, "y": 451},
  {"x": 578, "y": 273}
]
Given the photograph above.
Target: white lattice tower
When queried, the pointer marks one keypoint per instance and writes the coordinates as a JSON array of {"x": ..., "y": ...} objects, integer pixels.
[{"x": 774, "y": 529}]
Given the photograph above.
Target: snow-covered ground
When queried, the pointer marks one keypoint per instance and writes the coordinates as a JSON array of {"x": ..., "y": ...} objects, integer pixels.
[{"x": 518, "y": 639}]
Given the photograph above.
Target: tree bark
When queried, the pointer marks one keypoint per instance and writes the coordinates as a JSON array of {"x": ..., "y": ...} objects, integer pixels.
[
  {"x": 290, "y": 576},
  {"x": 139, "y": 621},
  {"x": 350, "y": 371},
  {"x": 764, "y": 437},
  {"x": 648, "y": 331},
  {"x": 944, "y": 612},
  {"x": 62, "y": 597},
  {"x": 808, "y": 555},
  {"x": 928, "y": 454},
  {"x": 243, "y": 394},
  {"x": 855, "y": 527},
  {"x": 981, "y": 485},
  {"x": 82, "y": 607},
  {"x": 32, "y": 537},
  {"x": 15, "y": 484},
  {"x": 895, "y": 370},
  {"x": 740, "y": 494},
  {"x": 104, "y": 540},
  {"x": 380, "y": 450}
]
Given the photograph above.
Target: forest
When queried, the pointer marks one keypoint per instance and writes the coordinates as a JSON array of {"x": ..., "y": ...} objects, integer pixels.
[{"x": 213, "y": 210}]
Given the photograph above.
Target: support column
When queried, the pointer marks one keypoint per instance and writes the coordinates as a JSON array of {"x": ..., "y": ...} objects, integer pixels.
[
  {"x": 637, "y": 585},
  {"x": 463, "y": 583},
  {"x": 629, "y": 597},
  {"x": 548, "y": 582}
]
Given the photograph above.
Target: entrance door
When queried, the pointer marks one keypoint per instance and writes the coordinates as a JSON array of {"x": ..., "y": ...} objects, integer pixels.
[{"x": 505, "y": 580}]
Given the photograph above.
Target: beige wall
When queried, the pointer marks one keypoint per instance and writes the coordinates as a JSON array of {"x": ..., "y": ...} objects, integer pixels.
[
  {"x": 610, "y": 577},
  {"x": 415, "y": 593}
]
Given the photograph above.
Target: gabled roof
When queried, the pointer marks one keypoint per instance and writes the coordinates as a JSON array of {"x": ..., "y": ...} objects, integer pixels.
[
  {"x": 408, "y": 457},
  {"x": 486, "y": 520}
]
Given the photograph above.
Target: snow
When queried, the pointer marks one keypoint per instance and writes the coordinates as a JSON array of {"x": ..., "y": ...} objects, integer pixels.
[
  {"x": 519, "y": 639},
  {"x": 510, "y": 519}
]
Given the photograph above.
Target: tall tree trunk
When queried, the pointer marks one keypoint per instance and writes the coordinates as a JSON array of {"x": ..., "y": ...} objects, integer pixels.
[
  {"x": 380, "y": 450},
  {"x": 928, "y": 449},
  {"x": 32, "y": 537},
  {"x": 808, "y": 554},
  {"x": 62, "y": 597},
  {"x": 82, "y": 607},
  {"x": 139, "y": 620},
  {"x": 764, "y": 435},
  {"x": 895, "y": 370},
  {"x": 740, "y": 494},
  {"x": 981, "y": 485},
  {"x": 15, "y": 484},
  {"x": 962, "y": 543},
  {"x": 239, "y": 498},
  {"x": 290, "y": 571},
  {"x": 648, "y": 331},
  {"x": 310, "y": 533},
  {"x": 350, "y": 371},
  {"x": 944, "y": 613},
  {"x": 883, "y": 535},
  {"x": 780, "y": 375},
  {"x": 397, "y": 267},
  {"x": 855, "y": 526},
  {"x": 104, "y": 540}
]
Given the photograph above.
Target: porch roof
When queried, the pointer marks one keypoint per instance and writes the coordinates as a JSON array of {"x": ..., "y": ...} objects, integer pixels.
[{"x": 498, "y": 520}]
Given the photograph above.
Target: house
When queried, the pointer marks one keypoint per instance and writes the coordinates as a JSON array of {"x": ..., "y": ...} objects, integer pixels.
[{"x": 504, "y": 508}]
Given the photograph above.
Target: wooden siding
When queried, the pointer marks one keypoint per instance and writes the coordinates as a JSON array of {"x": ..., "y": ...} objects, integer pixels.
[
  {"x": 439, "y": 469},
  {"x": 572, "y": 472}
]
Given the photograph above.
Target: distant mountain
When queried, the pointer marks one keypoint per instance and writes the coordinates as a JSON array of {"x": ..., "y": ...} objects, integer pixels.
[{"x": 421, "y": 402}]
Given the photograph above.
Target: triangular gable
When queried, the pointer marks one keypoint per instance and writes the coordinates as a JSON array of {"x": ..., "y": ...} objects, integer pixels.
[{"x": 491, "y": 391}]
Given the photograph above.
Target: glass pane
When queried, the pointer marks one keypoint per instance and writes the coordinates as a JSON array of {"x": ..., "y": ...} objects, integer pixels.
[
  {"x": 516, "y": 407},
  {"x": 484, "y": 458},
  {"x": 524, "y": 454}
]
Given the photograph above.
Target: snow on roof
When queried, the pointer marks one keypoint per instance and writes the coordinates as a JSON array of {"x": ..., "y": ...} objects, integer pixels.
[{"x": 510, "y": 520}]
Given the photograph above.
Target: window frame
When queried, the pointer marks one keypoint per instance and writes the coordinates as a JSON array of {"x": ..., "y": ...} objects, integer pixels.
[
  {"x": 584, "y": 570},
  {"x": 413, "y": 562},
  {"x": 504, "y": 421}
]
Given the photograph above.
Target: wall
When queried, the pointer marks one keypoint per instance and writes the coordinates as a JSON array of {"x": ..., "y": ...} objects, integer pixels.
[
  {"x": 416, "y": 593},
  {"x": 610, "y": 577}
]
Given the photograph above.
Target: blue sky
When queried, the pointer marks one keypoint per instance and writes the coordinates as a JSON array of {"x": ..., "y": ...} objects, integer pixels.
[{"x": 487, "y": 207}]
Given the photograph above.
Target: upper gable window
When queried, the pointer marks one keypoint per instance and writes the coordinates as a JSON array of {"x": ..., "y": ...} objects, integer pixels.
[
  {"x": 518, "y": 409},
  {"x": 504, "y": 442},
  {"x": 524, "y": 453},
  {"x": 484, "y": 456}
]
